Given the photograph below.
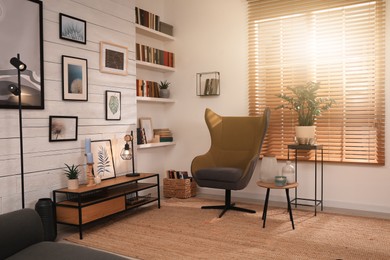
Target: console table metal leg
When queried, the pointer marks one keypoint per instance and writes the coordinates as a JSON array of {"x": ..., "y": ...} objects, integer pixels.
[
  {"x": 315, "y": 183},
  {"x": 322, "y": 179}
]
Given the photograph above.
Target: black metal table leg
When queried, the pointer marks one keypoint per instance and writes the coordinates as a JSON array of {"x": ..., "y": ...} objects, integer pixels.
[
  {"x": 265, "y": 207},
  {"x": 289, "y": 208}
]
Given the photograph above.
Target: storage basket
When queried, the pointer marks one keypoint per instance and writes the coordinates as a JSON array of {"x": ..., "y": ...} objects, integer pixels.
[{"x": 179, "y": 188}]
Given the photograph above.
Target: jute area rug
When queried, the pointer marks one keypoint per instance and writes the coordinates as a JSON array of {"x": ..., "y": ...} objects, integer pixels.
[{"x": 181, "y": 230}]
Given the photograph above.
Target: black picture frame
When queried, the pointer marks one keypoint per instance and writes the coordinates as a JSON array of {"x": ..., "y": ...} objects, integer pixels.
[
  {"x": 73, "y": 29},
  {"x": 113, "y": 105},
  {"x": 63, "y": 128},
  {"x": 74, "y": 78},
  {"x": 22, "y": 16}
]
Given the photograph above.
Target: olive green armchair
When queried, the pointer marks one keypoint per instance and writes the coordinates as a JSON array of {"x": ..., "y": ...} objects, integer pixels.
[{"x": 231, "y": 160}]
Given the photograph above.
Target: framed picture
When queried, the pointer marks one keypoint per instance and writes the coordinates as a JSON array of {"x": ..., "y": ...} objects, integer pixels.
[
  {"x": 73, "y": 29},
  {"x": 102, "y": 158},
  {"x": 21, "y": 33},
  {"x": 113, "y": 58},
  {"x": 74, "y": 78},
  {"x": 63, "y": 128},
  {"x": 113, "y": 105},
  {"x": 146, "y": 124}
]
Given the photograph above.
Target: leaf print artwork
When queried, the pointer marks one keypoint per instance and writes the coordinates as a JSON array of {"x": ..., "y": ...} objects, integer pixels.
[
  {"x": 114, "y": 104},
  {"x": 104, "y": 162}
]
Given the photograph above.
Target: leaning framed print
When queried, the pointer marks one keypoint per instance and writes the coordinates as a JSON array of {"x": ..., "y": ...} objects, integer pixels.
[
  {"x": 63, "y": 128},
  {"x": 21, "y": 34},
  {"x": 113, "y": 58},
  {"x": 73, "y": 29},
  {"x": 146, "y": 124},
  {"x": 113, "y": 105},
  {"x": 74, "y": 78},
  {"x": 103, "y": 163}
]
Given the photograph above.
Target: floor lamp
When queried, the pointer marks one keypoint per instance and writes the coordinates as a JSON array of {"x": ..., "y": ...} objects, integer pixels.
[
  {"x": 17, "y": 91},
  {"x": 126, "y": 154}
]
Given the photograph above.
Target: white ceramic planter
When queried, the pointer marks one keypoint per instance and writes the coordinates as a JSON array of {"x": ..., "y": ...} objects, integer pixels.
[
  {"x": 73, "y": 184},
  {"x": 305, "y": 134}
]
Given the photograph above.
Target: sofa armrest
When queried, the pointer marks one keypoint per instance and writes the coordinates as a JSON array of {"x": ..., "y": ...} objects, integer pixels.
[{"x": 18, "y": 230}]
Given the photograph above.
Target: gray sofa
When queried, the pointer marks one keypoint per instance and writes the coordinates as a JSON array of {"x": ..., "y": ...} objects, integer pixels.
[{"x": 21, "y": 237}]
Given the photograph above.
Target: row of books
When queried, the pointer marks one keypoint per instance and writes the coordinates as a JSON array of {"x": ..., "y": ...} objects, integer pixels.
[
  {"x": 164, "y": 133},
  {"x": 211, "y": 87},
  {"x": 173, "y": 174},
  {"x": 147, "y": 19},
  {"x": 141, "y": 136},
  {"x": 153, "y": 55},
  {"x": 147, "y": 88}
]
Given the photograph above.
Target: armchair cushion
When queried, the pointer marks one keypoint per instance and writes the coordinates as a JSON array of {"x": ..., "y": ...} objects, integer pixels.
[{"x": 224, "y": 174}]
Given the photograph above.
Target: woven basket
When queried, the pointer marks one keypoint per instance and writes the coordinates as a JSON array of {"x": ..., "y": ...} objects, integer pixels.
[{"x": 179, "y": 188}]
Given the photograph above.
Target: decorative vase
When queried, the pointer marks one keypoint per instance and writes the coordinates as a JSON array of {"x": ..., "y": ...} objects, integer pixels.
[
  {"x": 305, "y": 134},
  {"x": 268, "y": 168},
  {"x": 164, "y": 93},
  {"x": 288, "y": 171},
  {"x": 97, "y": 179},
  {"x": 73, "y": 184}
]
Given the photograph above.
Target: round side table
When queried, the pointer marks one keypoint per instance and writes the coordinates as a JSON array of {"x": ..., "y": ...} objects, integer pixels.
[{"x": 270, "y": 186}]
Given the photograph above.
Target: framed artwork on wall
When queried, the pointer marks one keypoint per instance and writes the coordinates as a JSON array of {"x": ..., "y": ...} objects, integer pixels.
[
  {"x": 113, "y": 105},
  {"x": 113, "y": 58},
  {"x": 146, "y": 124},
  {"x": 63, "y": 128},
  {"x": 73, "y": 29},
  {"x": 21, "y": 33},
  {"x": 103, "y": 163},
  {"x": 74, "y": 78}
]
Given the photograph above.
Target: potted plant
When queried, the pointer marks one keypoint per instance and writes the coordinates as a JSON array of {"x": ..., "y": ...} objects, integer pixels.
[
  {"x": 72, "y": 173},
  {"x": 308, "y": 106},
  {"x": 164, "y": 91}
]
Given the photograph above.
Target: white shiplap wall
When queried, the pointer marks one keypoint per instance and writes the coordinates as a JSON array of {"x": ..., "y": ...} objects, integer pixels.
[{"x": 107, "y": 20}]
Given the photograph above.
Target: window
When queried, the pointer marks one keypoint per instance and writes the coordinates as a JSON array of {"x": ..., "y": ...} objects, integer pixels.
[{"x": 337, "y": 43}]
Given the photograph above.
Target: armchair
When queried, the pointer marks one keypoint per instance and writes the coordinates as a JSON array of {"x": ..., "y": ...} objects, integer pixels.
[{"x": 231, "y": 160}]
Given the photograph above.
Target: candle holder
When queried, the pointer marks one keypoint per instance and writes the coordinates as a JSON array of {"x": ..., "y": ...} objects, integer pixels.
[{"x": 90, "y": 177}]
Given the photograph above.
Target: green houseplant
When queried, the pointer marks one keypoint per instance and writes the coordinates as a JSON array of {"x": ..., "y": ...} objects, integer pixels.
[
  {"x": 164, "y": 91},
  {"x": 72, "y": 173},
  {"x": 305, "y": 102}
]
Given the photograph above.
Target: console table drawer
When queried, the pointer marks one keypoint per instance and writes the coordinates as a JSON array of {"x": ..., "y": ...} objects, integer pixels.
[{"x": 91, "y": 212}]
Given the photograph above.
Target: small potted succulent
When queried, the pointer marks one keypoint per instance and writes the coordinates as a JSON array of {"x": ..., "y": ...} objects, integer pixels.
[
  {"x": 308, "y": 106},
  {"x": 164, "y": 91},
  {"x": 72, "y": 173}
]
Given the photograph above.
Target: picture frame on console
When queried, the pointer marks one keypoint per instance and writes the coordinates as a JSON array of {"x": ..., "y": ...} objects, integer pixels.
[
  {"x": 74, "y": 78},
  {"x": 21, "y": 33},
  {"x": 103, "y": 162}
]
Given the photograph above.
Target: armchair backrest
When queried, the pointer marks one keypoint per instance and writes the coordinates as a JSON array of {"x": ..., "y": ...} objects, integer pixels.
[{"x": 236, "y": 140}]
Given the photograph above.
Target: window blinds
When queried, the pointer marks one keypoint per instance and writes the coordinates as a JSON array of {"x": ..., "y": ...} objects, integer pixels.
[{"x": 340, "y": 44}]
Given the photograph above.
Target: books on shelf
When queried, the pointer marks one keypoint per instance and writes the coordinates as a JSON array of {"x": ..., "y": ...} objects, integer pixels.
[
  {"x": 173, "y": 174},
  {"x": 147, "y": 88},
  {"x": 152, "y": 21},
  {"x": 164, "y": 133},
  {"x": 154, "y": 55}
]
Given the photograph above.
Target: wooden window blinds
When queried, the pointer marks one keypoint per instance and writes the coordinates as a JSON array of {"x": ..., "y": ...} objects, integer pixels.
[{"x": 339, "y": 43}]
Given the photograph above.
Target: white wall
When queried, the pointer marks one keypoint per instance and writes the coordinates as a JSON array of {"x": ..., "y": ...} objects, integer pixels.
[
  {"x": 212, "y": 36},
  {"x": 110, "y": 21}
]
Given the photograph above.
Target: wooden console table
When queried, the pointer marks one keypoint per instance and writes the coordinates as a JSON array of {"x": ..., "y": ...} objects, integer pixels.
[{"x": 87, "y": 204}]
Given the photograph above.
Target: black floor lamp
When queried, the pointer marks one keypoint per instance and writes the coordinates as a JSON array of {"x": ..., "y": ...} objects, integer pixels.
[{"x": 17, "y": 91}]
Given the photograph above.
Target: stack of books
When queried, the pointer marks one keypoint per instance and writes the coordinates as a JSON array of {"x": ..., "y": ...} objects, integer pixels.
[
  {"x": 165, "y": 134},
  {"x": 147, "y": 88}
]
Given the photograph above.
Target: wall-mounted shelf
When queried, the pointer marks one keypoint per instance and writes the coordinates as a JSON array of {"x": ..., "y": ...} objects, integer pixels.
[
  {"x": 154, "y": 145},
  {"x": 155, "y": 67},
  {"x": 154, "y": 100},
  {"x": 153, "y": 33},
  {"x": 208, "y": 83}
]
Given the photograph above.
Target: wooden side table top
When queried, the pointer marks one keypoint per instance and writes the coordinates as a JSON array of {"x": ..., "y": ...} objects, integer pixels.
[{"x": 271, "y": 185}]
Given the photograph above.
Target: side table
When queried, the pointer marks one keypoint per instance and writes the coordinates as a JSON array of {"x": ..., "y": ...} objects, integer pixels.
[
  {"x": 316, "y": 148},
  {"x": 270, "y": 186}
]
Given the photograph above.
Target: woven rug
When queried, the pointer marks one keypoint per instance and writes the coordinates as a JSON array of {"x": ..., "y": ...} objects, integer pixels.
[{"x": 181, "y": 230}]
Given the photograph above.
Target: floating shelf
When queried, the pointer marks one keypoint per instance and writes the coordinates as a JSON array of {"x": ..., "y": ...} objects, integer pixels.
[
  {"x": 154, "y": 145},
  {"x": 153, "y": 33},
  {"x": 155, "y": 67},
  {"x": 155, "y": 100}
]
